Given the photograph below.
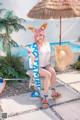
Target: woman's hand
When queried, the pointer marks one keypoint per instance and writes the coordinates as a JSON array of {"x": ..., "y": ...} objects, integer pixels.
[
  {"x": 23, "y": 46},
  {"x": 29, "y": 50},
  {"x": 32, "y": 58},
  {"x": 31, "y": 55}
]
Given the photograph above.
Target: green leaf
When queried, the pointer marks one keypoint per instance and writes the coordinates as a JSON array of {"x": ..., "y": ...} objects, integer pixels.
[
  {"x": 12, "y": 68},
  {"x": 10, "y": 23}
]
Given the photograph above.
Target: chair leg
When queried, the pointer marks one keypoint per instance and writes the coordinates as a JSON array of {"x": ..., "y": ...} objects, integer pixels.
[{"x": 31, "y": 83}]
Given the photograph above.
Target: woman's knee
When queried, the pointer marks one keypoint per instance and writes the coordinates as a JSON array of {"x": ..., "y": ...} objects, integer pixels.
[
  {"x": 48, "y": 75},
  {"x": 53, "y": 72},
  {"x": 45, "y": 73}
]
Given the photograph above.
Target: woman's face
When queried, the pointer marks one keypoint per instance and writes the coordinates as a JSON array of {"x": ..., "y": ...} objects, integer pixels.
[{"x": 39, "y": 37}]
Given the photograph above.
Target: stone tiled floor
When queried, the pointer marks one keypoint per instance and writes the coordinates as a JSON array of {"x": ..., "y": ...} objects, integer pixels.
[
  {"x": 69, "y": 111},
  {"x": 67, "y": 107}
]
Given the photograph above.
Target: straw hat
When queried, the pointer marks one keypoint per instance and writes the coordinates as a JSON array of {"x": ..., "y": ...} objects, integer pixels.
[{"x": 63, "y": 56}]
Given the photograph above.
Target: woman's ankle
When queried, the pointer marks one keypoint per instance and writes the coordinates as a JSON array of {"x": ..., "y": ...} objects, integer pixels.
[
  {"x": 45, "y": 99},
  {"x": 45, "y": 96}
]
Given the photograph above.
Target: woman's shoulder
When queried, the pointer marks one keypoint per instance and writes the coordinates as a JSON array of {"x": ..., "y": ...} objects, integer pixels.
[{"x": 47, "y": 43}]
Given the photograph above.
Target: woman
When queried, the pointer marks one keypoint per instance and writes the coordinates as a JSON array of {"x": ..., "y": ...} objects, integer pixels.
[{"x": 45, "y": 69}]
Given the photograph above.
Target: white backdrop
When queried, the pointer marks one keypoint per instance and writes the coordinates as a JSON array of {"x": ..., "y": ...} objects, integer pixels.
[{"x": 70, "y": 27}]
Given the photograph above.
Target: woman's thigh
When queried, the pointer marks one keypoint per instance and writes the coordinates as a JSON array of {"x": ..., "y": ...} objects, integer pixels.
[
  {"x": 51, "y": 70},
  {"x": 44, "y": 73}
]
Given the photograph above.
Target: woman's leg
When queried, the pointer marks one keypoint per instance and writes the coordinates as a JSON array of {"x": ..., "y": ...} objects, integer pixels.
[
  {"x": 53, "y": 81},
  {"x": 53, "y": 76},
  {"x": 47, "y": 77}
]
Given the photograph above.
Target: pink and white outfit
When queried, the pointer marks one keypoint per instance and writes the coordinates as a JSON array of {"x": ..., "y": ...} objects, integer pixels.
[
  {"x": 44, "y": 55},
  {"x": 44, "y": 50}
]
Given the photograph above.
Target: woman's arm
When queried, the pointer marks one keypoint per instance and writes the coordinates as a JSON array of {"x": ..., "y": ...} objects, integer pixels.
[{"x": 30, "y": 54}]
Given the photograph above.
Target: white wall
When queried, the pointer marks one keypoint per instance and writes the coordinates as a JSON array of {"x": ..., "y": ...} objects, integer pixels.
[{"x": 70, "y": 27}]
